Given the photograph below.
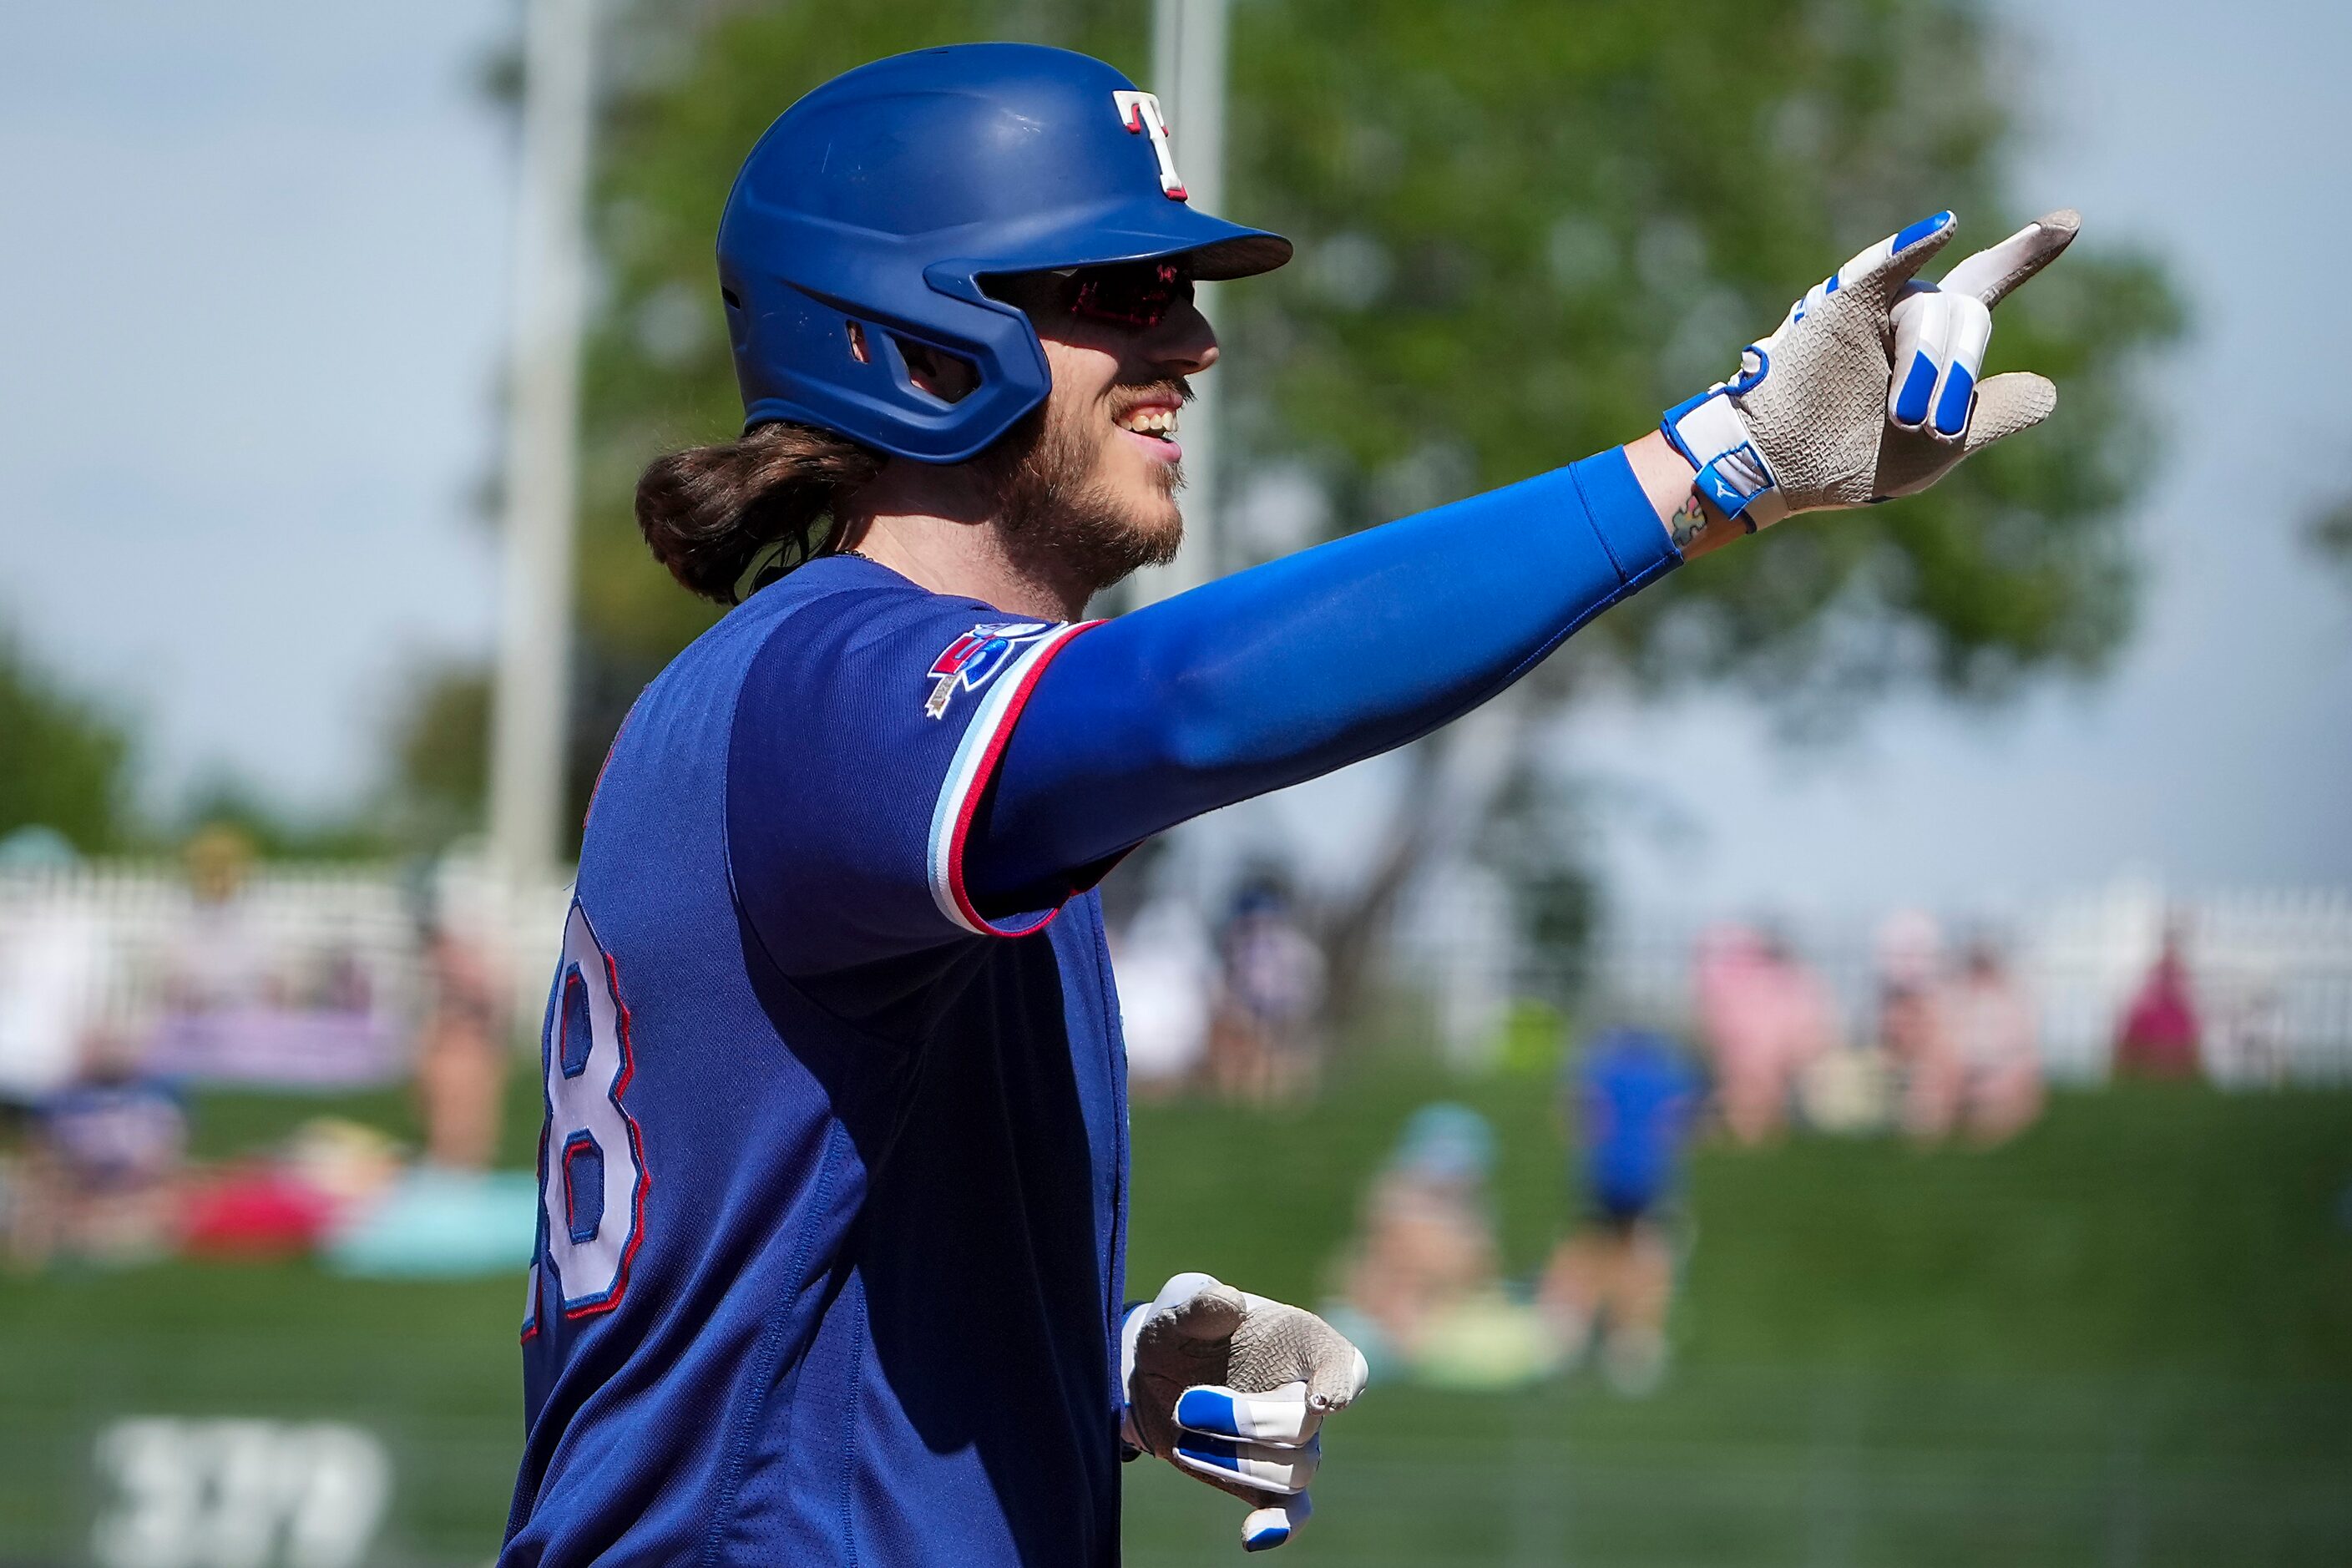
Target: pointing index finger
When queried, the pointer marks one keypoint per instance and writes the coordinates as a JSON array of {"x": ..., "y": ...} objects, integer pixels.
[{"x": 1994, "y": 272}]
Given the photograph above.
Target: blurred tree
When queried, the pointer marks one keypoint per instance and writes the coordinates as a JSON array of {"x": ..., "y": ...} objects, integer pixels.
[
  {"x": 1525, "y": 227},
  {"x": 64, "y": 763},
  {"x": 439, "y": 763},
  {"x": 694, "y": 83},
  {"x": 1533, "y": 837},
  {"x": 275, "y": 830},
  {"x": 2330, "y": 533},
  {"x": 64, "y": 760}
]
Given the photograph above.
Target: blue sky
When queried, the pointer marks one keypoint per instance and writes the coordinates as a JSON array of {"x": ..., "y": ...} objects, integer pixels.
[
  {"x": 251, "y": 300},
  {"x": 251, "y": 295}
]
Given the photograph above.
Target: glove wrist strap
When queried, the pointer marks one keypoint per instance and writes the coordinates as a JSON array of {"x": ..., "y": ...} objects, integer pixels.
[{"x": 1732, "y": 474}]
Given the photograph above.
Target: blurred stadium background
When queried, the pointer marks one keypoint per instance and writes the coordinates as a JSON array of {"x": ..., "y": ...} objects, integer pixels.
[{"x": 1987, "y": 852}]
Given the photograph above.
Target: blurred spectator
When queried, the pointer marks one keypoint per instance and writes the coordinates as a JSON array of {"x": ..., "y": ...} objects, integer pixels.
[
  {"x": 1423, "y": 1295},
  {"x": 1979, "y": 1065},
  {"x": 2246, "y": 1044},
  {"x": 1633, "y": 1100},
  {"x": 56, "y": 967},
  {"x": 1262, "y": 1047},
  {"x": 1849, "y": 1089},
  {"x": 2160, "y": 1030},
  {"x": 327, "y": 1177},
  {"x": 1913, "y": 1026},
  {"x": 255, "y": 1208},
  {"x": 1428, "y": 1242},
  {"x": 218, "y": 959},
  {"x": 1167, "y": 975},
  {"x": 461, "y": 1050},
  {"x": 1909, "y": 948},
  {"x": 248, "y": 999},
  {"x": 102, "y": 1182},
  {"x": 348, "y": 1164},
  {"x": 1765, "y": 1017}
]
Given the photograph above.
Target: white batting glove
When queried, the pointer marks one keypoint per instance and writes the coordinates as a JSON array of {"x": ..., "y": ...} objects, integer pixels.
[
  {"x": 1868, "y": 389},
  {"x": 1232, "y": 1388}
]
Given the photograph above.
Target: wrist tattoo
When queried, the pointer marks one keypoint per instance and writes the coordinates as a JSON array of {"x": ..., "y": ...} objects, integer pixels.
[{"x": 1688, "y": 523}]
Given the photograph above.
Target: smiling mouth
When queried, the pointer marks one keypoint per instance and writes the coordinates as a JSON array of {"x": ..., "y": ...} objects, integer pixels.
[{"x": 1152, "y": 420}]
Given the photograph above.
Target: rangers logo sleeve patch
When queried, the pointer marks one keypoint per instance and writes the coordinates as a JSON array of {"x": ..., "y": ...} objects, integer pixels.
[{"x": 977, "y": 658}]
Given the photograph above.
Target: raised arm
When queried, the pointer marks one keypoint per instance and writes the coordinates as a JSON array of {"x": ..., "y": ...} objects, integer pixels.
[
  {"x": 1287, "y": 671},
  {"x": 1304, "y": 665}
]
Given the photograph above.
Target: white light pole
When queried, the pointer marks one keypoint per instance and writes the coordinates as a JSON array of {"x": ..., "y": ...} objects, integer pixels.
[
  {"x": 532, "y": 700},
  {"x": 1188, "y": 69}
]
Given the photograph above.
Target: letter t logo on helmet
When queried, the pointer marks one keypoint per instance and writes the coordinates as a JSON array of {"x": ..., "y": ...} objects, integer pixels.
[
  {"x": 874, "y": 211},
  {"x": 1139, "y": 111}
]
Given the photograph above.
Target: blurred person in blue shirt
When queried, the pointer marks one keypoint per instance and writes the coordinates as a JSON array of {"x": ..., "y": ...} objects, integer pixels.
[
  {"x": 1631, "y": 1100},
  {"x": 103, "y": 1180}
]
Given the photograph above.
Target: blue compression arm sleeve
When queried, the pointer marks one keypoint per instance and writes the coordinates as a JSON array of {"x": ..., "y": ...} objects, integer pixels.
[{"x": 1301, "y": 666}]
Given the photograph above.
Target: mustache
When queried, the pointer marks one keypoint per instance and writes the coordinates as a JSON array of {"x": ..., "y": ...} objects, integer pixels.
[{"x": 1157, "y": 389}]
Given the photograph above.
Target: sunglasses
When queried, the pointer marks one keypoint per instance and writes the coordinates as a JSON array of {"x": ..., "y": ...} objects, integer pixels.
[{"x": 1136, "y": 294}]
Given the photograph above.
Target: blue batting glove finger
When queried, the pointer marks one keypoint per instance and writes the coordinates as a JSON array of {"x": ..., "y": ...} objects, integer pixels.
[
  {"x": 1970, "y": 332},
  {"x": 1915, "y": 393},
  {"x": 1993, "y": 273},
  {"x": 1920, "y": 321},
  {"x": 1939, "y": 347},
  {"x": 1267, "y": 1528},
  {"x": 1878, "y": 273},
  {"x": 1283, "y": 1415},
  {"x": 1282, "y": 1471}
]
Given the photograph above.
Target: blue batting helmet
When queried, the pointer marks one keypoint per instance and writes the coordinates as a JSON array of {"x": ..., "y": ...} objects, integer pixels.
[{"x": 872, "y": 210}]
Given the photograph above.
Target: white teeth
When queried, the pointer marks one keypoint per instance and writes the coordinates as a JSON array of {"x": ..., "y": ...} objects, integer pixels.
[{"x": 1159, "y": 422}]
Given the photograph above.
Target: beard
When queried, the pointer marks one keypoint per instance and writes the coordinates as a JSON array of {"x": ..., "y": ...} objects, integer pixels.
[{"x": 1062, "y": 520}]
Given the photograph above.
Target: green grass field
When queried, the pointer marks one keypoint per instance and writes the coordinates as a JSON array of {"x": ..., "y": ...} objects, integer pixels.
[{"x": 2124, "y": 1339}]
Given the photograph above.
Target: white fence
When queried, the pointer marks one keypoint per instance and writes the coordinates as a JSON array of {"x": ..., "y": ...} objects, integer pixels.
[
  {"x": 2270, "y": 971},
  {"x": 104, "y": 943}
]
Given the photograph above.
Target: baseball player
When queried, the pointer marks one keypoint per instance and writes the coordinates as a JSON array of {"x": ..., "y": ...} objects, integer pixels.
[{"x": 835, "y": 1169}]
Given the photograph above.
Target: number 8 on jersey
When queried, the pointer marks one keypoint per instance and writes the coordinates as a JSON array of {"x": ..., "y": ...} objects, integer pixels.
[{"x": 593, "y": 1174}]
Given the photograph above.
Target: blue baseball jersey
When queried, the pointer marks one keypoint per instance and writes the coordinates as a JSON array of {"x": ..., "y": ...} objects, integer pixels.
[
  {"x": 835, "y": 1175},
  {"x": 836, "y": 1165}
]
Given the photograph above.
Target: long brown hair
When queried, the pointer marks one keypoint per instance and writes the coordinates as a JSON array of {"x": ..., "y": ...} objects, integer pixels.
[{"x": 708, "y": 512}]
